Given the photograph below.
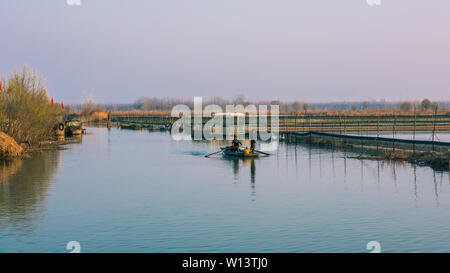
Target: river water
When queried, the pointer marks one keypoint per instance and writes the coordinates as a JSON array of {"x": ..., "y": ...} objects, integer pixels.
[
  {"x": 140, "y": 191},
  {"x": 443, "y": 136}
]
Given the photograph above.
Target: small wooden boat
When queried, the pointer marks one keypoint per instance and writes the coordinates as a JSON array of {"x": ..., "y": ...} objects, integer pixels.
[
  {"x": 73, "y": 127},
  {"x": 131, "y": 126},
  {"x": 157, "y": 127},
  {"x": 243, "y": 153}
]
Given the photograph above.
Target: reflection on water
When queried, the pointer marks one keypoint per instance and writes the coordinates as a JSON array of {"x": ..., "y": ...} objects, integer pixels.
[
  {"x": 23, "y": 191},
  {"x": 9, "y": 168},
  {"x": 139, "y": 191},
  {"x": 382, "y": 167},
  {"x": 252, "y": 171}
]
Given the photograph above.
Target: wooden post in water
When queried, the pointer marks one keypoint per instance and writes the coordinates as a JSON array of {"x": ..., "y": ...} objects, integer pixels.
[
  {"x": 310, "y": 123},
  {"x": 304, "y": 123},
  {"x": 393, "y": 133},
  {"x": 345, "y": 135},
  {"x": 368, "y": 126},
  {"x": 360, "y": 133},
  {"x": 414, "y": 130},
  {"x": 288, "y": 123},
  {"x": 285, "y": 123},
  {"x": 378, "y": 130},
  {"x": 378, "y": 126},
  {"x": 295, "y": 125},
  {"x": 108, "y": 124},
  {"x": 359, "y": 125},
  {"x": 434, "y": 126},
  {"x": 345, "y": 126}
]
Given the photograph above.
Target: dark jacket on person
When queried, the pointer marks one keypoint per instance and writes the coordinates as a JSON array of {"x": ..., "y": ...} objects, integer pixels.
[
  {"x": 252, "y": 144},
  {"x": 236, "y": 143}
]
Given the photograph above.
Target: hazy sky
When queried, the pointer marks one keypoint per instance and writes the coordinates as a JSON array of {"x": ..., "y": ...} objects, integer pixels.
[{"x": 311, "y": 50}]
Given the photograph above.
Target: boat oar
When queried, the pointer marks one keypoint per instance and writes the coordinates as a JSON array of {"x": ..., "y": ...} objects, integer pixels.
[
  {"x": 261, "y": 152},
  {"x": 213, "y": 153}
]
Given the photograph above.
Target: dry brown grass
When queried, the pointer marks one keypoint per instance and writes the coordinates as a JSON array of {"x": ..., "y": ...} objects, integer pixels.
[
  {"x": 9, "y": 147},
  {"x": 93, "y": 115},
  {"x": 366, "y": 112},
  {"x": 141, "y": 113}
]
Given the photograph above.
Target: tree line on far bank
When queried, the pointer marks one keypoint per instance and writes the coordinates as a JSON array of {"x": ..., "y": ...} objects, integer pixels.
[{"x": 164, "y": 105}]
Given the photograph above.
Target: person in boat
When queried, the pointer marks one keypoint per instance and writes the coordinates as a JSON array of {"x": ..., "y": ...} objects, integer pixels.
[
  {"x": 235, "y": 144},
  {"x": 252, "y": 145}
]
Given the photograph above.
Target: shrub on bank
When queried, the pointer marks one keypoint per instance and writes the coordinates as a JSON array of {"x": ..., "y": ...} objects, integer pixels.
[{"x": 26, "y": 113}]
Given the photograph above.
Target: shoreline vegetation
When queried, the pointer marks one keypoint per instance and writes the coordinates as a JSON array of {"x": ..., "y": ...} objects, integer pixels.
[
  {"x": 90, "y": 111},
  {"x": 28, "y": 117}
]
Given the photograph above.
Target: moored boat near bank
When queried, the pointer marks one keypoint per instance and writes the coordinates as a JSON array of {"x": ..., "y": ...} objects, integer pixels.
[
  {"x": 131, "y": 126},
  {"x": 74, "y": 127}
]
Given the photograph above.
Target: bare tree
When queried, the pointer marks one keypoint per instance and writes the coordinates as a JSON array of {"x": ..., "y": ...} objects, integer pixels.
[
  {"x": 25, "y": 107},
  {"x": 296, "y": 106},
  {"x": 405, "y": 106},
  {"x": 425, "y": 104}
]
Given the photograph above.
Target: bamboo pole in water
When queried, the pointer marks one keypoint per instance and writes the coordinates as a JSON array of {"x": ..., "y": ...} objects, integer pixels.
[
  {"x": 304, "y": 123},
  {"x": 393, "y": 133},
  {"x": 108, "y": 125},
  {"x": 434, "y": 127},
  {"x": 286, "y": 123},
  {"x": 378, "y": 130},
  {"x": 345, "y": 126},
  {"x": 310, "y": 123},
  {"x": 295, "y": 128},
  {"x": 360, "y": 133},
  {"x": 414, "y": 131},
  {"x": 368, "y": 126},
  {"x": 321, "y": 123}
]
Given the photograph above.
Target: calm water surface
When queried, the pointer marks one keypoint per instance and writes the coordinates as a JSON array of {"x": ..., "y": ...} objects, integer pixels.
[
  {"x": 443, "y": 136},
  {"x": 139, "y": 191}
]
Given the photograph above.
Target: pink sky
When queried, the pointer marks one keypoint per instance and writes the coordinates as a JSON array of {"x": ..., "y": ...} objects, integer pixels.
[{"x": 310, "y": 50}]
